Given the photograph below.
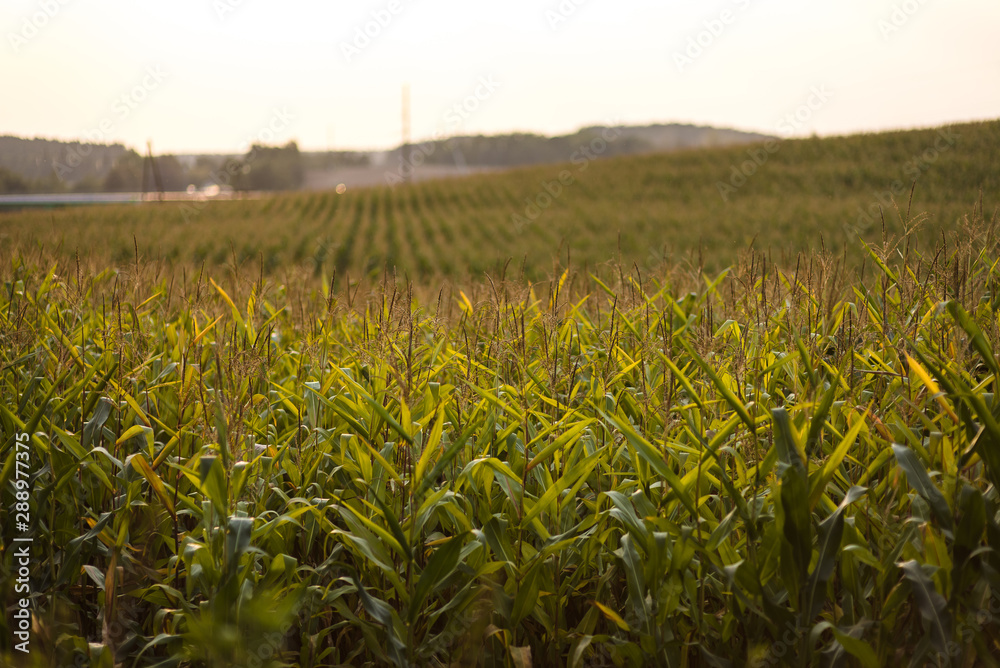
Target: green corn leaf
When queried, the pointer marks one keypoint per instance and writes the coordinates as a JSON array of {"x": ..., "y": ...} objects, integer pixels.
[
  {"x": 723, "y": 388},
  {"x": 655, "y": 460},
  {"x": 401, "y": 547},
  {"x": 238, "y": 533},
  {"x": 974, "y": 520},
  {"x": 581, "y": 470},
  {"x": 932, "y": 605},
  {"x": 831, "y": 530},
  {"x": 440, "y": 565},
  {"x": 564, "y": 440},
  {"x": 795, "y": 524},
  {"x": 815, "y": 435},
  {"x": 789, "y": 452},
  {"x": 527, "y": 593},
  {"x": 142, "y": 466},
  {"x": 93, "y": 426},
  {"x": 430, "y": 445},
  {"x": 979, "y": 341},
  {"x": 826, "y": 473},
  {"x": 381, "y": 612},
  {"x": 213, "y": 483},
  {"x": 376, "y": 406},
  {"x": 634, "y": 575},
  {"x": 395, "y": 528},
  {"x": 856, "y": 647},
  {"x": 625, "y": 513},
  {"x": 917, "y": 476}
]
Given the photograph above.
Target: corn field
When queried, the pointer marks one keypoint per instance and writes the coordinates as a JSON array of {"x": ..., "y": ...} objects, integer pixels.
[
  {"x": 771, "y": 465},
  {"x": 645, "y": 209}
]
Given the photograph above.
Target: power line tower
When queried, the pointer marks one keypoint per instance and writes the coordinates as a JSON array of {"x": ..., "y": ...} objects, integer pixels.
[
  {"x": 150, "y": 172},
  {"x": 405, "y": 149}
]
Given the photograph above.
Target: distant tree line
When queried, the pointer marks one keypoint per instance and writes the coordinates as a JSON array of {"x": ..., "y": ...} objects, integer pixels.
[
  {"x": 517, "y": 149},
  {"x": 45, "y": 160},
  {"x": 271, "y": 168},
  {"x": 326, "y": 160},
  {"x": 41, "y": 165},
  {"x": 45, "y": 166}
]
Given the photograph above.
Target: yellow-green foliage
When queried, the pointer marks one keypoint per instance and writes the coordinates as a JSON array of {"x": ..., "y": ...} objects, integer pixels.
[{"x": 745, "y": 468}]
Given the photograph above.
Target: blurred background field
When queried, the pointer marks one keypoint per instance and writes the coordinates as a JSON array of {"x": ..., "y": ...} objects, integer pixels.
[{"x": 676, "y": 207}]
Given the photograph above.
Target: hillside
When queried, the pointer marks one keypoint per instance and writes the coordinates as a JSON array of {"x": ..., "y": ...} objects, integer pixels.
[
  {"x": 54, "y": 166},
  {"x": 516, "y": 150},
  {"x": 469, "y": 154},
  {"x": 688, "y": 205}
]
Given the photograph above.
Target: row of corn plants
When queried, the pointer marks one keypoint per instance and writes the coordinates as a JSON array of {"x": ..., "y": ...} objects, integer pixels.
[{"x": 790, "y": 465}]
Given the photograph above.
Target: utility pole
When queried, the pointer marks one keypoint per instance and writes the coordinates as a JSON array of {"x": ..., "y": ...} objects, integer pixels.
[{"x": 405, "y": 149}]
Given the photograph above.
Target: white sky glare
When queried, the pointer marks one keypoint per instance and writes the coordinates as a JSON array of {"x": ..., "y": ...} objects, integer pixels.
[{"x": 207, "y": 75}]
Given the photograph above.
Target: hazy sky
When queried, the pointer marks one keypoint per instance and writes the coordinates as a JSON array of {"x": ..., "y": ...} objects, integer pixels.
[{"x": 207, "y": 75}]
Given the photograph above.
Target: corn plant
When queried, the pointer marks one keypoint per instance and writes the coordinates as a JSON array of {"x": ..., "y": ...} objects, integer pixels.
[{"x": 790, "y": 464}]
